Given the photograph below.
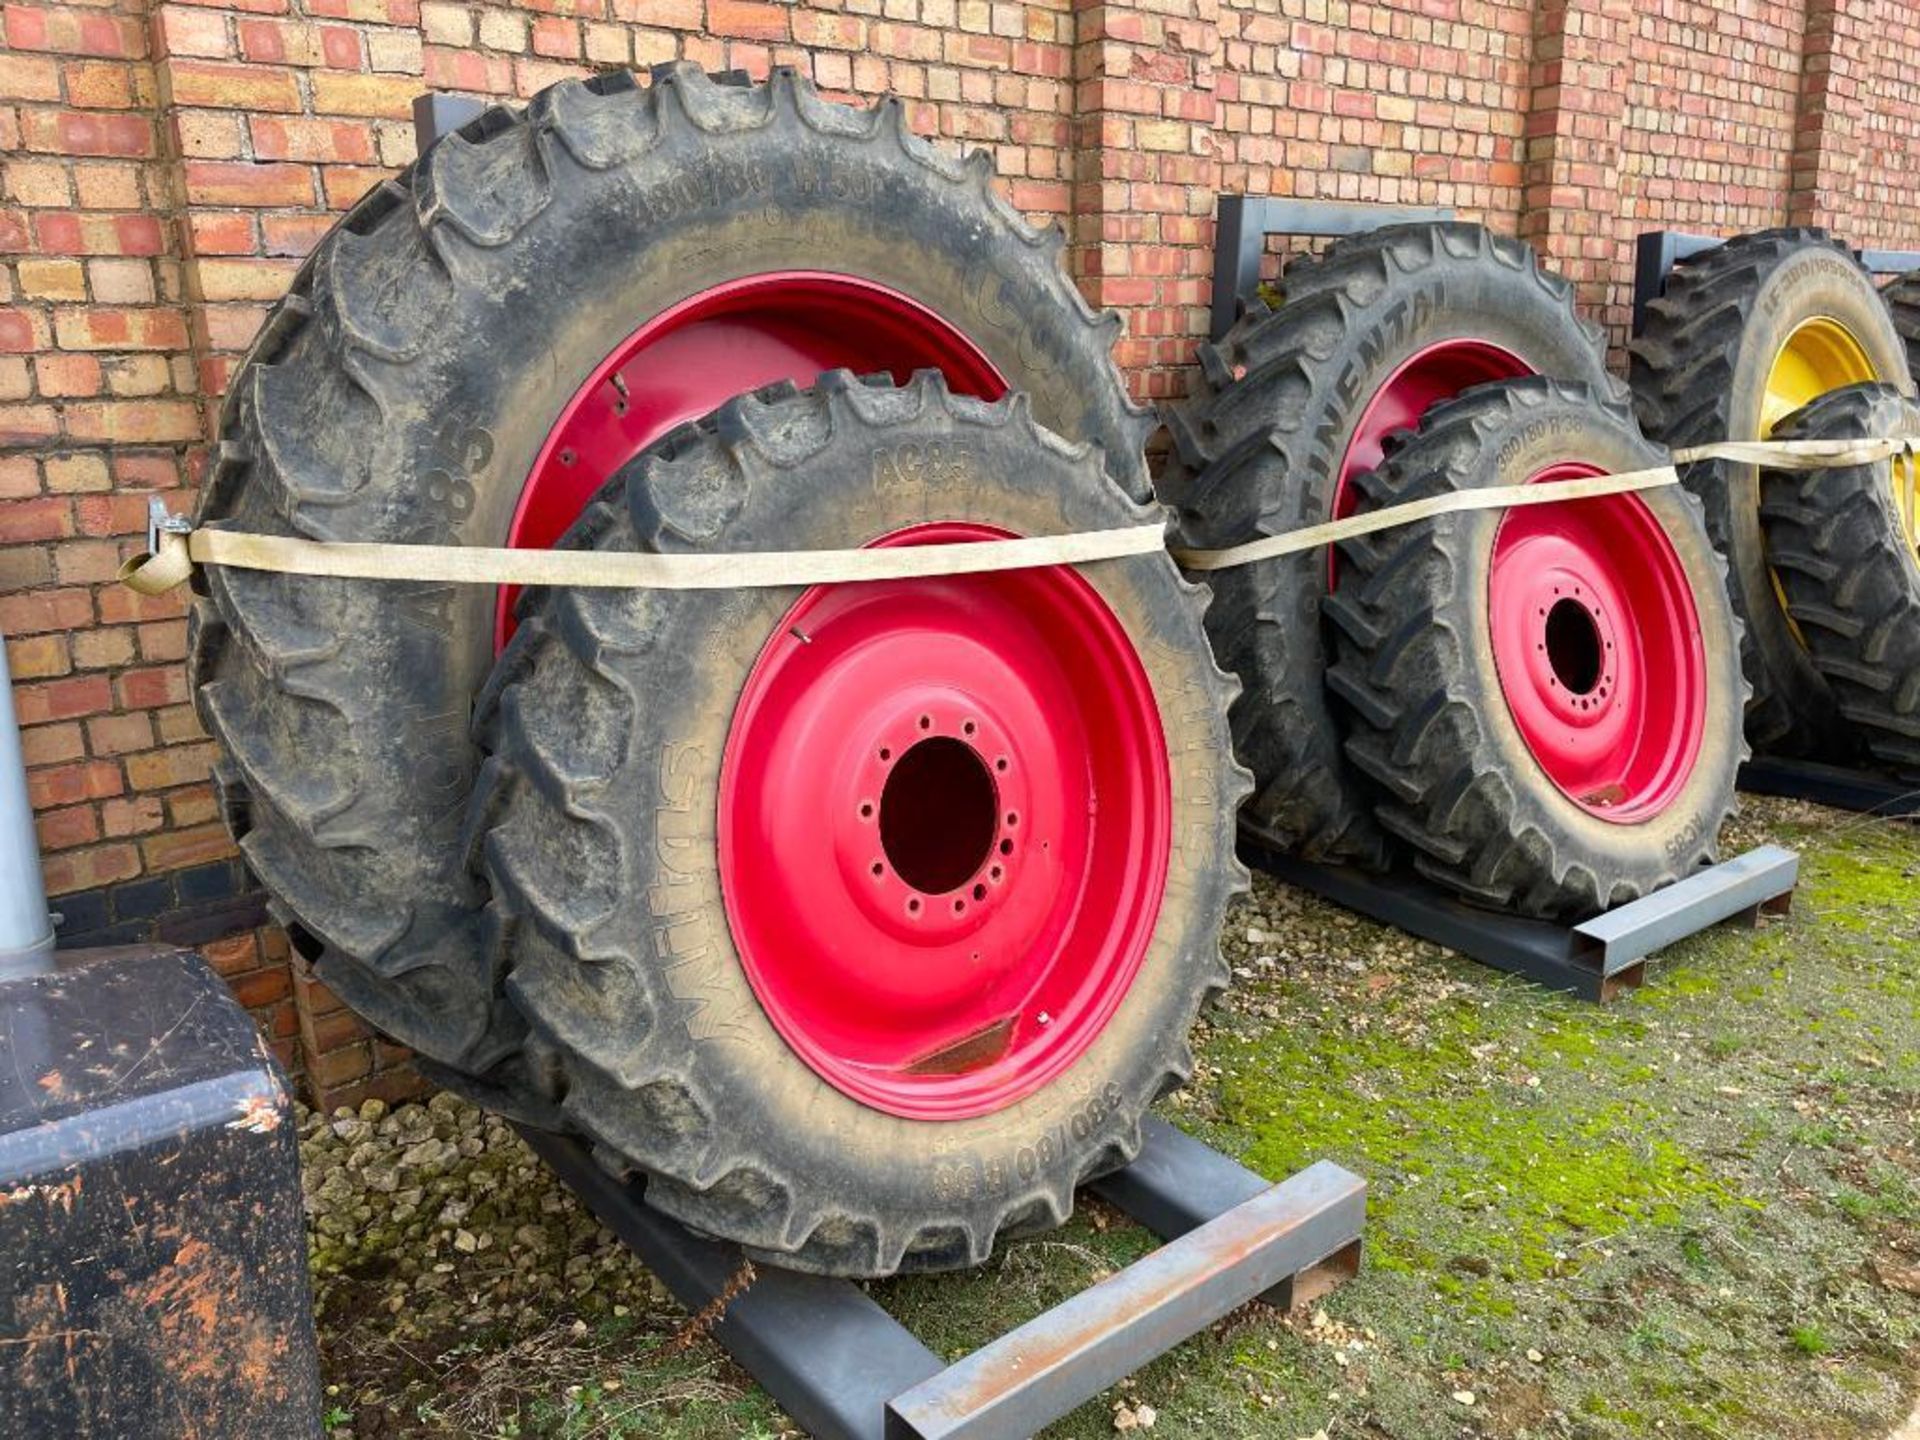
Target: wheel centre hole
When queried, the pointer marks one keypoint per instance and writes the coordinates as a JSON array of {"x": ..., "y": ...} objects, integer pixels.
[
  {"x": 937, "y": 815},
  {"x": 1573, "y": 646}
]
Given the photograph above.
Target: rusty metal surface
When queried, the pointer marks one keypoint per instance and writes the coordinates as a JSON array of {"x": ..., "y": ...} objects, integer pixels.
[
  {"x": 1036, "y": 1373},
  {"x": 153, "y": 1277}
]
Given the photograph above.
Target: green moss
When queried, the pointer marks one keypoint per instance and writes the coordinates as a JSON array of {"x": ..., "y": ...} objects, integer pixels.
[{"x": 1469, "y": 1162}]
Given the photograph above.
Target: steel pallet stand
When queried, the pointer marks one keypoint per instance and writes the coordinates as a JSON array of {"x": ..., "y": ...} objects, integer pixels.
[
  {"x": 1596, "y": 959},
  {"x": 1656, "y": 252},
  {"x": 1835, "y": 785},
  {"x": 1245, "y": 222},
  {"x": 847, "y": 1370}
]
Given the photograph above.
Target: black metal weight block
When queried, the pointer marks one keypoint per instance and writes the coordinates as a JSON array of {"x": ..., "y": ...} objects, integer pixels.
[{"x": 153, "y": 1275}]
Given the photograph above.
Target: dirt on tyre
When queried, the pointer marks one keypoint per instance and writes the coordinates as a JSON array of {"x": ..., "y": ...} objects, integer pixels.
[
  {"x": 1746, "y": 334},
  {"x": 1546, "y": 699},
  {"x": 1845, "y": 543},
  {"x": 868, "y": 921},
  {"x": 1286, "y": 412},
  {"x": 476, "y": 347}
]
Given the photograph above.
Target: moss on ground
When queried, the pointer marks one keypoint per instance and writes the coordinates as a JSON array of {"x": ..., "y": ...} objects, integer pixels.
[{"x": 1695, "y": 1213}]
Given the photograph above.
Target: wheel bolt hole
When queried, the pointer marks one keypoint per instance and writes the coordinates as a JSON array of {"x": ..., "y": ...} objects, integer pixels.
[
  {"x": 968, "y": 728},
  {"x": 878, "y": 868},
  {"x": 995, "y": 873},
  {"x": 567, "y": 457},
  {"x": 979, "y": 892},
  {"x": 1574, "y": 647},
  {"x": 926, "y": 722},
  {"x": 866, "y": 811},
  {"x": 936, "y": 815},
  {"x": 1000, "y": 764},
  {"x": 1006, "y": 847},
  {"x": 885, "y": 753},
  {"x": 1013, "y": 818},
  {"x": 959, "y": 907},
  {"x": 913, "y": 906}
]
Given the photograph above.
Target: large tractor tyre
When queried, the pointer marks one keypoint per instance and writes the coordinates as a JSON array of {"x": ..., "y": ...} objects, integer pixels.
[
  {"x": 472, "y": 351},
  {"x": 1746, "y": 334},
  {"x": 1845, "y": 543},
  {"x": 1287, "y": 411},
  {"x": 865, "y": 921},
  {"x": 1902, "y": 297},
  {"x": 1547, "y": 700}
]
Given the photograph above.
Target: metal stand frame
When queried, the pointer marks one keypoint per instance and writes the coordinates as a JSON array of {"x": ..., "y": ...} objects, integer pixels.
[
  {"x": 1245, "y": 222},
  {"x": 1596, "y": 959},
  {"x": 847, "y": 1370},
  {"x": 1658, "y": 251},
  {"x": 1836, "y": 785}
]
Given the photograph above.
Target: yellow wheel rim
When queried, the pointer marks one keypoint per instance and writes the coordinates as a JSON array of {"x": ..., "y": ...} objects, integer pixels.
[
  {"x": 1820, "y": 355},
  {"x": 1903, "y": 473}
]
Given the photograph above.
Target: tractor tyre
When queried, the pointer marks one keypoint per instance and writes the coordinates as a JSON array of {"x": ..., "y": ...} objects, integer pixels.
[
  {"x": 1285, "y": 413},
  {"x": 806, "y": 897},
  {"x": 1845, "y": 543},
  {"x": 470, "y": 353},
  {"x": 1746, "y": 334},
  {"x": 1547, "y": 700},
  {"x": 1903, "y": 303}
]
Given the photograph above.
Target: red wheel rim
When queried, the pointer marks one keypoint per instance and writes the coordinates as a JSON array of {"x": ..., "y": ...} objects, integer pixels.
[
  {"x": 1598, "y": 645},
  {"x": 689, "y": 360},
  {"x": 1438, "y": 372},
  {"x": 944, "y": 828}
]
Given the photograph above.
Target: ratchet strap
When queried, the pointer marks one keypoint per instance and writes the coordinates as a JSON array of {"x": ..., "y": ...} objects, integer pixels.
[{"x": 175, "y": 546}]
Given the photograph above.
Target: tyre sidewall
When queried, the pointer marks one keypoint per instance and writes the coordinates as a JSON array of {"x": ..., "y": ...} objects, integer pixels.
[
  {"x": 785, "y": 1128},
  {"x": 1647, "y": 853},
  {"x": 1809, "y": 282}
]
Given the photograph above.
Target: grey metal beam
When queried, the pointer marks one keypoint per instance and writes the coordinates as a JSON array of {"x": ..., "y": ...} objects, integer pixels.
[
  {"x": 1596, "y": 960},
  {"x": 1760, "y": 879},
  {"x": 1032, "y": 1375}
]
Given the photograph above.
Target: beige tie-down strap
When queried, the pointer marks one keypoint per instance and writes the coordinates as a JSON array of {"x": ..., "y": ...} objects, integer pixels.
[{"x": 177, "y": 547}]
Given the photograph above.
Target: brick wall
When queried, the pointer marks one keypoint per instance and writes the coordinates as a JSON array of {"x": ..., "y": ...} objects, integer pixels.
[{"x": 166, "y": 165}]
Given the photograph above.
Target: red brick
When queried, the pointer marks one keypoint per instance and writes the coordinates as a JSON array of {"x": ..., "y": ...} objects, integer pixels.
[
  {"x": 36, "y": 657},
  {"x": 220, "y": 233},
  {"x": 71, "y": 784},
  {"x": 342, "y": 141},
  {"x": 47, "y": 518},
  {"x": 232, "y": 87},
  {"x": 747, "y": 20},
  {"x": 64, "y": 829},
  {"x": 85, "y": 869},
  {"x": 49, "y": 744},
  {"x": 82, "y": 132},
  {"x": 103, "y": 328},
  {"x": 213, "y": 182},
  {"x": 377, "y": 96},
  {"x": 152, "y": 687},
  {"x": 62, "y": 699}
]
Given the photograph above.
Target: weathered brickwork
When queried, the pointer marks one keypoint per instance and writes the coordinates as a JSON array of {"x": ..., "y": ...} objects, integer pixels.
[{"x": 166, "y": 164}]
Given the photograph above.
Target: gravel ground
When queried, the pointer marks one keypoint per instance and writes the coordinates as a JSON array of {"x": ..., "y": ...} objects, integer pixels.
[{"x": 1694, "y": 1213}]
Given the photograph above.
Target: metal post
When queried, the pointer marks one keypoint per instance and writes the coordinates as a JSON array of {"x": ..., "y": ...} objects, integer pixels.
[{"x": 26, "y": 929}]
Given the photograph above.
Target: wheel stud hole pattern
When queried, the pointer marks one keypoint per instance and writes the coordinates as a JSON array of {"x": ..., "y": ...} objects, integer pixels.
[
  {"x": 1573, "y": 646},
  {"x": 946, "y": 815},
  {"x": 937, "y": 815},
  {"x": 1597, "y": 642}
]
